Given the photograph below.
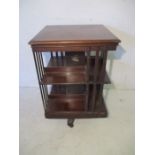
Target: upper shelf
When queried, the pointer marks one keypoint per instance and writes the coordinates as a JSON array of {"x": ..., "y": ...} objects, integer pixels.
[
  {"x": 74, "y": 34},
  {"x": 65, "y": 71},
  {"x": 76, "y": 62},
  {"x": 64, "y": 78}
]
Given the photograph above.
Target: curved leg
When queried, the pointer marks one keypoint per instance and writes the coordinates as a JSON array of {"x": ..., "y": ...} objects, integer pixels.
[{"x": 70, "y": 122}]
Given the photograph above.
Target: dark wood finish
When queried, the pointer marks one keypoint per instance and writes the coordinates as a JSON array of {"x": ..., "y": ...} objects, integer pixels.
[
  {"x": 39, "y": 79},
  {"x": 76, "y": 70},
  {"x": 68, "y": 89},
  {"x": 66, "y": 103},
  {"x": 99, "y": 111},
  {"x": 74, "y": 34},
  {"x": 67, "y": 71}
]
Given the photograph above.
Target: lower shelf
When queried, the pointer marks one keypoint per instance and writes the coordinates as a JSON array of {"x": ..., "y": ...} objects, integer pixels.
[
  {"x": 100, "y": 111},
  {"x": 61, "y": 102},
  {"x": 68, "y": 89}
]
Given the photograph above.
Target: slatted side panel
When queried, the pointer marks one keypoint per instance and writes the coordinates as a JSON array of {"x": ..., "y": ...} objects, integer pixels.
[
  {"x": 40, "y": 72},
  {"x": 104, "y": 53},
  {"x": 98, "y": 73}
]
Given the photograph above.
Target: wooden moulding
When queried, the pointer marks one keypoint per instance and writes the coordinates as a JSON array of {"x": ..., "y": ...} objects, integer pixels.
[{"x": 71, "y": 48}]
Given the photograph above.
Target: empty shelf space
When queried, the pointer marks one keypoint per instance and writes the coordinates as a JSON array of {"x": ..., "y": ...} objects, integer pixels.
[
  {"x": 66, "y": 103},
  {"x": 65, "y": 69},
  {"x": 67, "y": 89},
  {"x": 71, "y": 61},
  {"x": 76, "y": 112},
  {"x": 75, "y": 60},
  {"x": 64, "y": 78},
  {"x": 71, "y": 78},
  {"x": 73, "y": 72}
]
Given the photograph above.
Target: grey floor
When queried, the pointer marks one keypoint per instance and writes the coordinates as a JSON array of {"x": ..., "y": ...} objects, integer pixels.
[{"x": 104, "y": 136}]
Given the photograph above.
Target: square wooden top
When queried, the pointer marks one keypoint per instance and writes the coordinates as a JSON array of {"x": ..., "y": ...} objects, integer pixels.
[{"x": 74, "y": 34}]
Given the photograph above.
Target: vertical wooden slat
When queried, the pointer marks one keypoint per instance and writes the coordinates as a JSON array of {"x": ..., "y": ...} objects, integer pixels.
[
  {"x": 56, "y": 56},
  {"x": 96, "y": 65},
  {"x": 45, "y": 92},
  {"x": 65, "y": 56},
  {"x": 88, "y": 64},
  {"x": 44, "y": 95},
  {"x": 87, "y": 85},
  {"x": 100, "y": 93},
  {"x": 103, "y": 69},
  {"x": 87, "y": 97},
  {"x": 94, "y": 97},
  {"x": 52, "y": 54},
  {"x": 95, "y": 78},
  {"x": 61, "y": 56}
]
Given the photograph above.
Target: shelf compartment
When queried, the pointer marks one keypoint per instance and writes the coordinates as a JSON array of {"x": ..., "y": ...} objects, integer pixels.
[
  {"x": 68, "y": 62},
  {"x": 70, "y": 59},
  {"x": 65, "y": 69},
  {"x": 100, "y": 111},
  {"x": 74, "y": 75},
  {"x": 72, "y": 105},
  {"x": 67, "y": 89},
  {"x": 64, "y": 78},
  {"x": 71, "y": 78},
  {"x": 64, "y": 102}
]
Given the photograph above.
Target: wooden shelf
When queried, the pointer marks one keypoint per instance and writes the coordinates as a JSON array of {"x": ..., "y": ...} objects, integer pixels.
[
  {"x": 67, "y": 89},
  {"x": 64, "y": 78},
  {"x": 100, "y": 111},
  {"x": 67, "y": 61},
  {"x": 70, "y": 102},
  {"x": 77, "y": 74},
  {"x": 71, "y": 78}
]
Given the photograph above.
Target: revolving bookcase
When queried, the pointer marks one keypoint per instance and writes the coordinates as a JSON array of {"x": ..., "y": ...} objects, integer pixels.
[{"x": 71, "y": 69}]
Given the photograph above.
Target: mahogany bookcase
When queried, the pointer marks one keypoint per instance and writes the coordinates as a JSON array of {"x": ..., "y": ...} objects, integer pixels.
[{"x": 71, "y": 83}]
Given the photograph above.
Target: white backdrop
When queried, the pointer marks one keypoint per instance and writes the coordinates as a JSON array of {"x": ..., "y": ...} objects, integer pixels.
[{"x": 117, "y": 15}]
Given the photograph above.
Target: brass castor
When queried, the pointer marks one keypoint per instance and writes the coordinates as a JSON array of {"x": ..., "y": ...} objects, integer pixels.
[{"x": 70, "y": 122}]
